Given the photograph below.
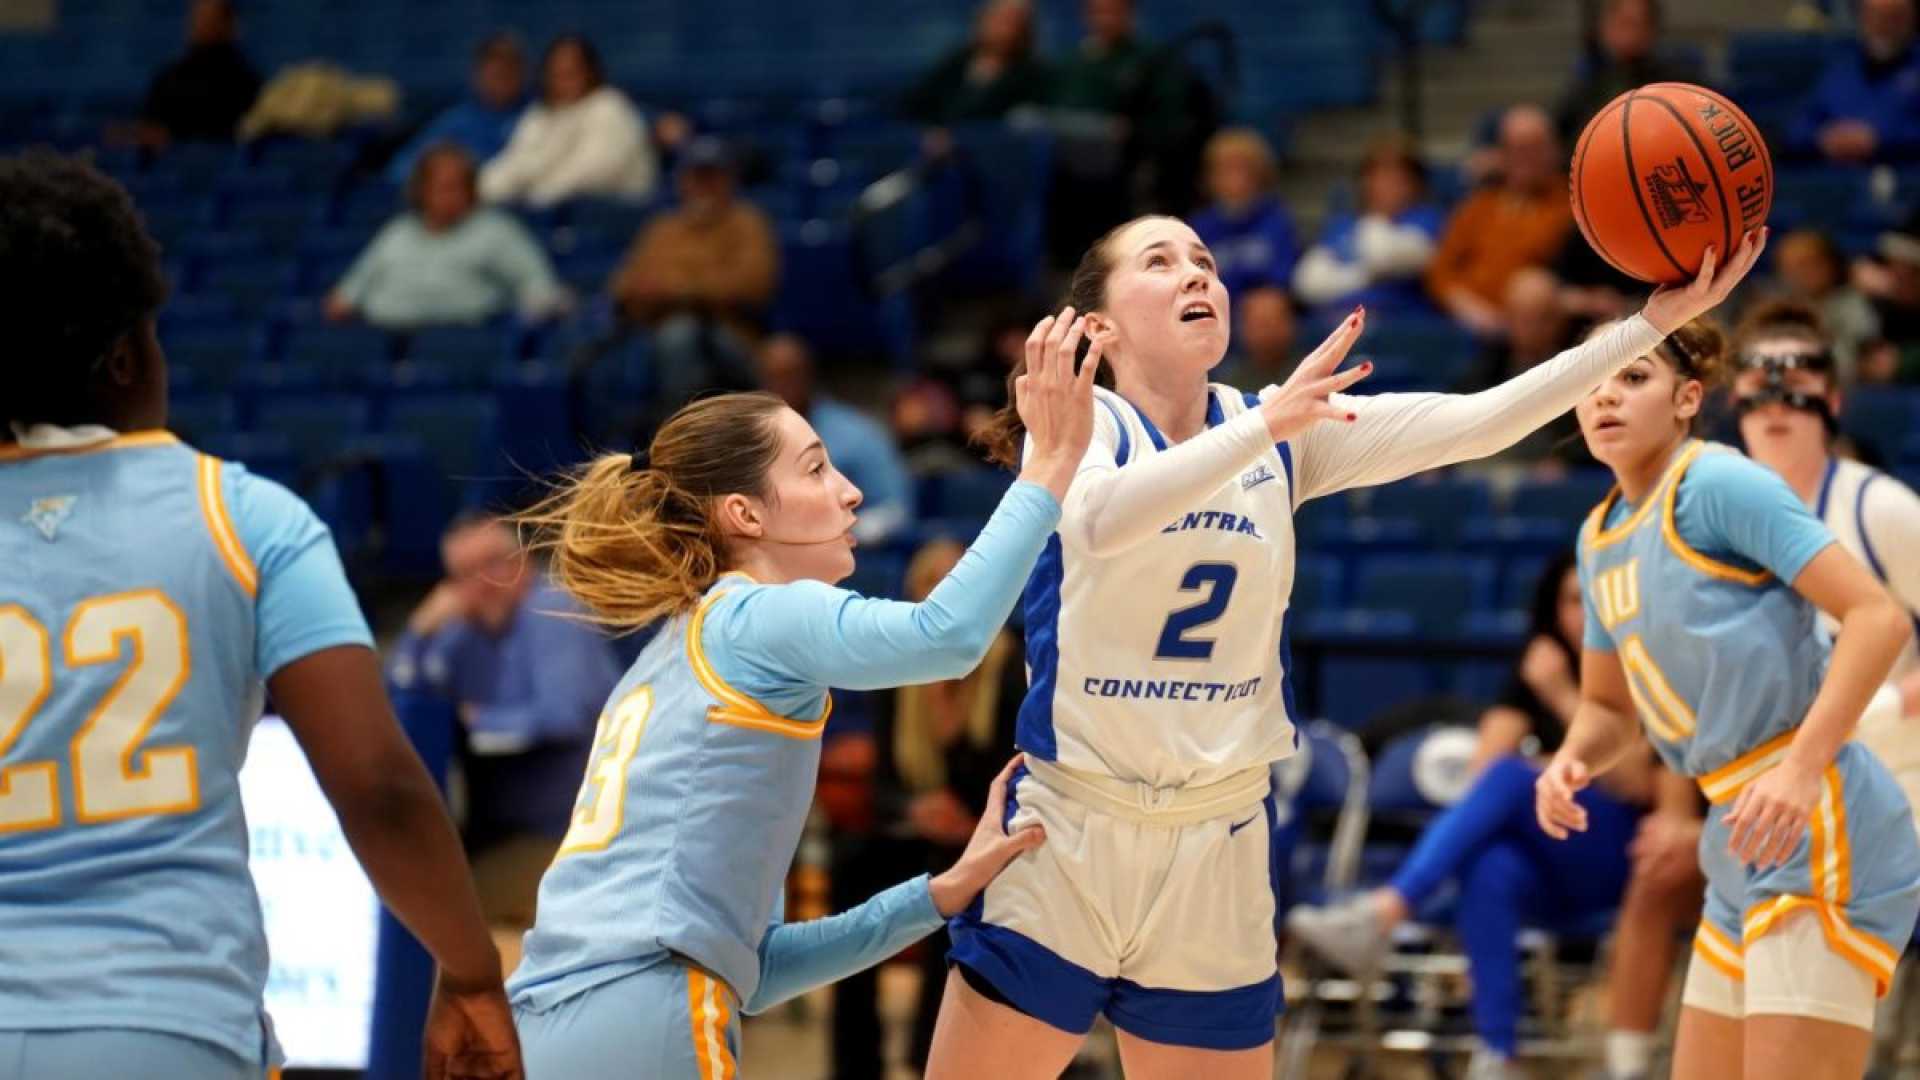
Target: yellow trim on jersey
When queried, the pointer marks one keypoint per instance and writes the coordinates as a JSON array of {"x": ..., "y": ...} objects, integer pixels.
[
  {"x": 213, "y": 507},
  {"x": 1598, "y": 537},
  {"x": 737, "y": 708},
  {"x": 1711, "y": 567},
  {"x": 1716, "y": 948},
  {"x": 1868, "y": 953},
  {"x": 707, "y": 1003},
  {"x": 1725, "y": 782},
  {"x": 16, "y": 452}
]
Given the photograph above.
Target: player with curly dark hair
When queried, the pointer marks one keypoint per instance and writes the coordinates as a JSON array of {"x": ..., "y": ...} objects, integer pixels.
[{"x": 152, "y": 590}]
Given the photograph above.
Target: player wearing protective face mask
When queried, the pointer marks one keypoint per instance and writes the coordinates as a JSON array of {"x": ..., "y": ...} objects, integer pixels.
[{"x": 1789, "y": 400}]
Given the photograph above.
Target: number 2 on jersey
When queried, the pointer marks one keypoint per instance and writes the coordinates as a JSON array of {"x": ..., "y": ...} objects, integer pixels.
[
  {"x": 1218, "y": 580},
  {"x": 112, "y": 777}
]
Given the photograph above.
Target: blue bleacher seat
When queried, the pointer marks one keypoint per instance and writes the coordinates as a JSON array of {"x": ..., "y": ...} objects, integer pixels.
[
  {"x": 969, "y": 493},
  {"x": 459, "y": 432},
  {"x": 1880, "y": 418},
  {"x": 317, "y": 426},
  {"x": 1442, "y": 505},
  {"x": 1355, "y": 688},
  {"x": 1567, "y": 501},
  {"x": 476, "y": 348},
  {"x": 1436, "y": 590},
  {"x": 263, "y": 453},
  {"x": 218, "y": 353},
  {"x": 878, "y": 572},
  {"x": 348, "y": 353},
  {"x": 1317, "y": 582},
  {"x": 535, "y": 416},
  {"x": 200, "y": 414},
  {"x": 253, "y": 283}
]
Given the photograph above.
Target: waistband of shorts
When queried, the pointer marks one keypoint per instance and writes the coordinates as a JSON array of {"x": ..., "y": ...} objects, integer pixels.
[
  {"x": 1139, "y": 801},
  {"x": 1725, "y": 783}
]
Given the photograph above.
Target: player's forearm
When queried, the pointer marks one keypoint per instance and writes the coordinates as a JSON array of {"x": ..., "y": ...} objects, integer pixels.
[
  {"x": 404, "y": 840},
  {"x": 798, "y": 957},
  {"x": 1108, "y": 511},
  {"x": 1598, "y": 737},
  {"x": 1870, "y": 639}
]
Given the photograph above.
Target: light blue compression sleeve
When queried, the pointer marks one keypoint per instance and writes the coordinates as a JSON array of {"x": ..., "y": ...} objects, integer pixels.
[
  {"x": 782, "y": 644},
  {"x": 798, "y": 957},
  {"x": 1740, "y": 511},
  {"x": 304, "y": 603}
]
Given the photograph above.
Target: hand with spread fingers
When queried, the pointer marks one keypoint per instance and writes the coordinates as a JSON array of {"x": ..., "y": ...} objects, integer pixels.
[
  {"x": 1673, "y": 306},
  {"x": 1302, "y": 400},
  {"x": 1055, "y": 402},
  {"x": 1553, "y": 793},
  {"x": 1769, "y": 818}
]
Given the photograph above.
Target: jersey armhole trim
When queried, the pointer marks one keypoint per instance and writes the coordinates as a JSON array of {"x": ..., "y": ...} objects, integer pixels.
[
  {"x": 213, "y": 507},
  {"x": 737, "y": 708},
  {"x": 1670, "y": 529}
]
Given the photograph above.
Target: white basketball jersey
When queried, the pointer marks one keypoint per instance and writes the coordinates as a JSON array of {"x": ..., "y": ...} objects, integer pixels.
[
  {"x": 1167, "y": 662},
  {"x": 1842, "y": 506}
]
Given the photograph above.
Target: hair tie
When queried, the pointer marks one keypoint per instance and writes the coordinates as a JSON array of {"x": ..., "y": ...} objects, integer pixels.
[{"x": 638, "y": 462}]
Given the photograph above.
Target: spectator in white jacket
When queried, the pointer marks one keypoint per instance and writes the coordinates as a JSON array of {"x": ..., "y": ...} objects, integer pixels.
[
  {"x": 1375, "y": 257},
  {"x": 583, "y": 138}
]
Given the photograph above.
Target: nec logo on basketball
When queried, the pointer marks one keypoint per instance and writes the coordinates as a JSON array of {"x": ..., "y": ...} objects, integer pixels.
[{"x": 1675, "y": 195}]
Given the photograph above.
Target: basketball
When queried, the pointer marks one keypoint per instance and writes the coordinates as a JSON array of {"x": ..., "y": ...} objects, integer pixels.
[{"x": 1665, "y": 171}]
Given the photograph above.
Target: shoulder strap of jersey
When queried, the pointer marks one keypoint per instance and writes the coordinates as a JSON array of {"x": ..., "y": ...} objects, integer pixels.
[
  {"x": 210, "y": 482},
  {"x": 1670, "y": 527}
]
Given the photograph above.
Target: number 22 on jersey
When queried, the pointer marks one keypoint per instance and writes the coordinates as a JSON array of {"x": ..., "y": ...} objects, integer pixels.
[{"x": 113, "y": 778}]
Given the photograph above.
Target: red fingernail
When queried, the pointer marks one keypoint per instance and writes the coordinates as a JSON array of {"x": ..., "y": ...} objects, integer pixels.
[
  {"x": 1366, "y": 365},
  {"x": 1351, "y": 417}
]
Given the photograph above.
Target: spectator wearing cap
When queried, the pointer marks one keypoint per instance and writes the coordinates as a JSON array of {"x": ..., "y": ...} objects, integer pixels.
[
  {"x": 858, "y": 445},
  {"x": 1375, "y": 257},
  {"x": 582, "y": 138},
  {"x": 484, "y": 122},
  {"x": 202, "y": 95},
  {"x": 1246, "y": 226},
  {"x": 1625, "y": 54},
  {"x": 448, "y": 259},
  {"x": 1521, "y": 221},
  {"x": 1866, "y": 107},
  {"x": 699, "y": 278}
]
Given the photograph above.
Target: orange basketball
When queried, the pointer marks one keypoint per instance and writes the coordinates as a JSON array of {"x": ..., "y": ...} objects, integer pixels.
[{"x": 1664, "y": 171}]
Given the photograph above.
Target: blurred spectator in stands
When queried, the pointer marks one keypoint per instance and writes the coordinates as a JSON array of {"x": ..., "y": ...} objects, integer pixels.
[
  {"x": 1812, "y": 271},
  {"x": 1623, "y": 53},
  {"x": 202, "y": 95},
  {"x": 1591, "y": 290},
  {"x": 1891, "y": 281},
  {"x": 1866, "y": 107},
  {"x": 1245, "y": 224},
  {"x": 986, "y": 78},
  {"x": 1115, "y": 104},
  {"x": 1263, "y": 339},
  {"x": 858, "y": 445},
  {"x": 582, "y": 138},
  {"x": 1537, "y": 328},
  {"x": 484, "y": 122},
  {"x": 448, "y": 259},
  {"x": 1521, "y": 221},
  {"x": 1375, "y": 257},
  {"x": 700, "y": 277},
  {"x": 937, "y": 415},
  {"x": 937, "y": 746},
  {"x": 530, "y": 679}
]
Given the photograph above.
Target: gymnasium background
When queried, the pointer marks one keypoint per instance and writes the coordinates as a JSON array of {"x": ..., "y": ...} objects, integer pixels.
[{"x": 900, "y": 187}]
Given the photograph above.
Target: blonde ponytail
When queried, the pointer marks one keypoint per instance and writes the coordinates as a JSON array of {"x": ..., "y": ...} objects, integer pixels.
[{"x": 633, "y": 538}]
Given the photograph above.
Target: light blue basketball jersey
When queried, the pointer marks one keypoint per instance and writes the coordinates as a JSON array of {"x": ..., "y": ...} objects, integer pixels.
[
  {"x": 703, "y": 770},
  {"x": 1720, "y": 653},
  {"x": 149, "y": 590},
  {"x": 1693, "y": 591}
]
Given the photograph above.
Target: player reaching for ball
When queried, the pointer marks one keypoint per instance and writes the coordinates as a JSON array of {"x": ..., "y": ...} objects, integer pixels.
[
  {"x": 1705, "y": 576},
  {"x": 1157, "y": 642},
  {"x": 660, "y": 919}
]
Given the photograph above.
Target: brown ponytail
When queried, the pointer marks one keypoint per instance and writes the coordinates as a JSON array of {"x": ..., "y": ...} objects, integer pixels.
[
  {"x": 1087, "y": 291},
  {"x": 633, "y": 537}
]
